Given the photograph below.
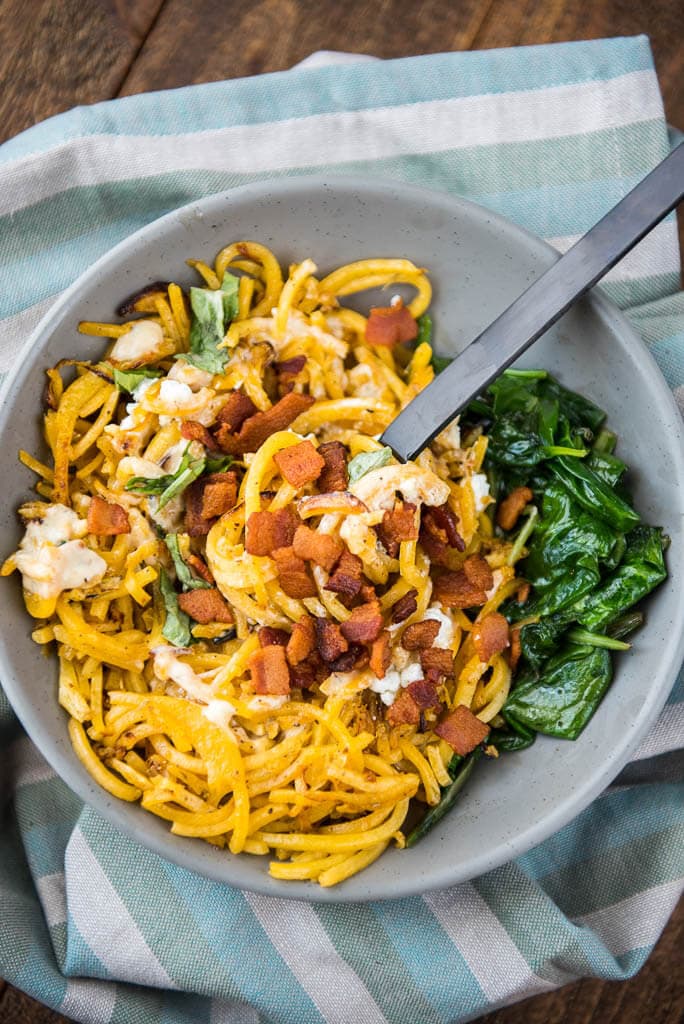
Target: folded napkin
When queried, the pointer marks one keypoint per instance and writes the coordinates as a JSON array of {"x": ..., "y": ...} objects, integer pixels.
[{"x": 103, "y": 930}]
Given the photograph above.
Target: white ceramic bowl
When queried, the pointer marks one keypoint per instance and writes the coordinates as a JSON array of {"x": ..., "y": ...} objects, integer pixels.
[{"x": 478, "y": 264}]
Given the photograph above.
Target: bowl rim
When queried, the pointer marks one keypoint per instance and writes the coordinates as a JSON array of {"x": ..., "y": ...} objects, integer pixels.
[{"x": 583, "y": 793}]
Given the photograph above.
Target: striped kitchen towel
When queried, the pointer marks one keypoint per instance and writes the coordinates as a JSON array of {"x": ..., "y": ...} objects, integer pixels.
[{"x": 105, "y": 931}]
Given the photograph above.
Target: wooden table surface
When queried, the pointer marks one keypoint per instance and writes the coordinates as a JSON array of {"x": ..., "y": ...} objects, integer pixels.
[{"x": 59, "y": 53}]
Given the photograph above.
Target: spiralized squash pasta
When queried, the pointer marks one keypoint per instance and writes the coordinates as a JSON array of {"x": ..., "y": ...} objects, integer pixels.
[{"x": 269, "y": 632}]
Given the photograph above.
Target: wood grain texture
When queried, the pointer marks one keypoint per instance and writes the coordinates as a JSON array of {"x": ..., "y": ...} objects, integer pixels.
[{"x": 58, "y": 53}]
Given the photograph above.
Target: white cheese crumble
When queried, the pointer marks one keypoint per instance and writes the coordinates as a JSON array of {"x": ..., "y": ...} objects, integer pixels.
[
  {"x": 192, "y": 376},
  {"x": 480, "y": 486},
  {"x": 220, "y": 713},
  {"x": 174, "y": 394},
  {"x": 167, "y": 666},
  {"x": 52, "y": 558},
  {"x": 445, "y": 637},
  {"x": 142, "y": 343}
]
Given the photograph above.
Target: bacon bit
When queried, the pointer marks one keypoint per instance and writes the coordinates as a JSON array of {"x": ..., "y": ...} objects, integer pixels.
[
  {"x": 320, "y": 548},
  {"x": 424, "y": 693},
  {"x": 364, "y": 624},
  {"x": 105, "y": 519},
  {"x": 490, "y": 636},
  {"x": 420, "y": 635},
  {"x": 205, "y": 606},
  {"x": 511, "y": 507},
  {"x": 398, "y": 525},
  {"x": 389, "y": 325},
  {"x": 478, "y": 572},
  {"x": 380, "y": 655},
  {"x": 334, "y": 474},
  {"x": 434, "y": 548},
  {"x": 404, "y": 710},
  {"x": 523, "y": 593},
  {"x": 355, "y": 657},
  {"x": 200, "y": 567},
  {"x": 347, "y": 578},
  {"x": 303, "y": 675},
  {"x": 270, "y": 673},
  {"x": 302, "y": 640},
  {"x": 193, "y": 431},
  {"x": 267, "y": 531},
  {"x": 219, "y": 494},
  {"x": 195, "y": 523},
  {"x": 131, "y": 304},
  {"x": 288, "y": 371},
  {"x": 329, "y": 640},
  {"x": 462, "y": 730},
  {"x": 437, "y": 659},
  {"x": 293, "y": 573},
  {"x": 405, "y": 606},
  {"x": 516, "y": 648},
  {"x": 257, "y": 428},
  {"x": 455, "y": 590},
  {"x": 444, "y": 520},
  {"x": 270, "y": 635},
  {"x": 299, "y": 464},
  {"x": 237, "y": 409}
]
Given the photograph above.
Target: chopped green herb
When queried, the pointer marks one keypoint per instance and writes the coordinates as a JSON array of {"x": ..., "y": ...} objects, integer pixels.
[
  {"x": 185, "y": 575},
  {"x": 364, "y": 462},
  {"x": 213, "y": 309},
  {"x": 171, "y": 484},
  {"x": 129, "y": 380},
  {"x": 176, "y": 628},
  {"x": 219, "y": 463}
]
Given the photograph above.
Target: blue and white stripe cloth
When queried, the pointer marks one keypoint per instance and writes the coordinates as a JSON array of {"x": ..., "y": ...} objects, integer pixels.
[{"x": 105, "y": 931}]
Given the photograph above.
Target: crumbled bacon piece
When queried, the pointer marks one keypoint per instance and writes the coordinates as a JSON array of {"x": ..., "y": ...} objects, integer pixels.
[
  {"x": 269, "y": 670},
  {"x": 266, "y": 531},
  {"x": 443, "y": 519},
  {"x": 404, "y": 710},
  {"x": 420, "y": 635},
  {"x": 304, "y": 675},
  {"x": 437, "y": 659},
  {"x": 398, "y": 525},
  {"x": 490, "y": 636},
  {"x": 523, "y": 593},
  {"x": 106, "y": 519},
  {"x": 270, "y": 635},
  {"x": 355, "y": 657},
  {"x": 478, "y": 572},
  {"x": 288, "y": 371},
  {"x": 462, "y": 730},
  {"x": 424, "y": 693},
  {"x": 389, "y": 325},
  {"x": 219, "y": 494},
  {"x": 381, "y": 655},
  {"x": 205, "y": 606},
  {"x": 294, "y": 575},
  {"x": 364, "y": 624},
  {"x": 299, "y": 464},
  {"x": 199, "y": 566},
  {"x": 195, "y": 523},
  {"x": 516, "y": 648},
  {"x": 302, "y": 641},
  {"x": 257, "y": 428},
  {"x": 329, "y": 640},
  {"x": 511, "y": 507},
  {"x": 434, "y": 547},
  {"x": 236, "y": 410},
  {"x": 321, "y": 548},
  {"x": 455, "y": 590},
  {"x": 193, "y": 431},
  {"x": 405, "y": 606},
  {"x": 347, "y": 578},
  {"x": 334, "y": 473}
]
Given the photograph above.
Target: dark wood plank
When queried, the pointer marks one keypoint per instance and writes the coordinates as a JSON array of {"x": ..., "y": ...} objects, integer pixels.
[
  {"x": 59, "y": 54},
  {"x": 217, "y": 39}
]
